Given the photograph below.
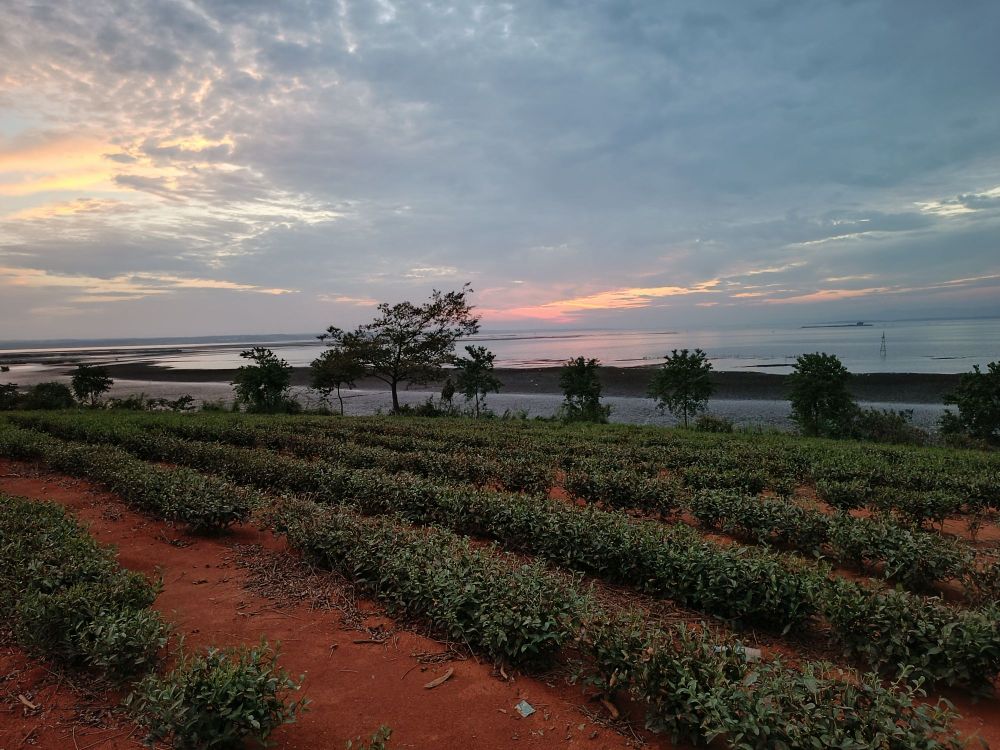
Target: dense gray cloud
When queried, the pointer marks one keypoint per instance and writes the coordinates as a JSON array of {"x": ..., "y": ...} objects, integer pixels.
[{"x": 582, "y": 163}]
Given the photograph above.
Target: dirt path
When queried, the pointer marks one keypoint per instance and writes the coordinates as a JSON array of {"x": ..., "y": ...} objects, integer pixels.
[{"x": 354, "y": 687}]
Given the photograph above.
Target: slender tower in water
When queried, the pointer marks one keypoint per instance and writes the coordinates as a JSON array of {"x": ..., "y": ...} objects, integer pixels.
[{"x": 881, "y": 351}]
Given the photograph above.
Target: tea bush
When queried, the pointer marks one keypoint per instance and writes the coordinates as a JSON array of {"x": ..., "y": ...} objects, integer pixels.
[
  {"x": 218, "y": 699},
  {"x": 521, "y": 613},
  {"x": 175, "y": 494},
  {"x": 66, "y": 597}
]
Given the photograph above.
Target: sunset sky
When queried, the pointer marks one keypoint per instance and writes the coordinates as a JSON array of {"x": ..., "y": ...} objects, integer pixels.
[{"x": 237, "y": 166}]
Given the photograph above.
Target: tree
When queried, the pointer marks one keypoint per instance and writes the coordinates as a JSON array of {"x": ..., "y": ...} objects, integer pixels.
[
  {"x": 407, "y": 342},
  {"x": 263, "y": 386},
  {"x": 90, "y": 382},
  {"x": 335, "y": 369},
  {"x": 821, "y": 403},
  {"x": 977, "y": 397},
  {"x": 581, "y": 388},
  {"x": 683, "y": 384},
  {"x": 474, "y": 377}
]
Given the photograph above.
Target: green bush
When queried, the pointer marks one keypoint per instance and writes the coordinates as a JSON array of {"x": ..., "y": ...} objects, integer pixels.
[
  {"x": 711, "y": 423},
  {"x": 49, "y": 396},
  {"x": 519, "y": 613},
  {"x": 699, "y": 689},
  {"x": 67, "y": 599},
  {"x": 218, "y": 699},
  {"x": 978, "y": 400}
]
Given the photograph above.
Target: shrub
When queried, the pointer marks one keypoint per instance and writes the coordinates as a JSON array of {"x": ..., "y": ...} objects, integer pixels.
[
  {"x": 66, "y": 598},
  {"x": 977, "y": 397},
  {"x": 51, "y": 395},
  {"x": 219, "y": 698},
  {"x": 10, "y": 398},
  {"x": 887, "y": 426},
  {"x": 710, "y": 423},
  {"x": 95, "y": 626},
  {"x": 378, "y": 741}
]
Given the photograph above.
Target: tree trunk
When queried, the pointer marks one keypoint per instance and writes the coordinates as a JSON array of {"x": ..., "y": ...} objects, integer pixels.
[
  {"x": 395, "y": 398},
  {"x": 341, "y": 400}
]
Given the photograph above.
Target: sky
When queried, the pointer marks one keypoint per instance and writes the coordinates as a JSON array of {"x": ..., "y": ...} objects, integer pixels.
[{"x": 199, "y": 167}]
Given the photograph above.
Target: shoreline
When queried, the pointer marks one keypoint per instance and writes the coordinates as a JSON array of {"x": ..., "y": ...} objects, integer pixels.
[{"x": 627, "y": 382}]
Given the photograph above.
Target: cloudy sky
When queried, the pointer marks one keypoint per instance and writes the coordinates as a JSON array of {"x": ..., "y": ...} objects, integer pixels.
[{"x": 233, "y": 166}]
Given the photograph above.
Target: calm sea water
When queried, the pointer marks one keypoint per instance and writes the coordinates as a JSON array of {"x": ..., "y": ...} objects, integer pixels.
[{"x": 941, "y": 346}]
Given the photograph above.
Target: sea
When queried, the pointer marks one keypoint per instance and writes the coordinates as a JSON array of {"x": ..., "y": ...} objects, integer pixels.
[{"x": 921, "y": 346}]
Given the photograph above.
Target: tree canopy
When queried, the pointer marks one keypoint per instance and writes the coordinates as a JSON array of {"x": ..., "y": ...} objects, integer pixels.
[
  {"x": 977, "y": 397},
  {"x": 683, "y": 385},
  {"x": 474, "y": 377},
  {"x": 581, "y": 387},
  {"x": 821, "y": 403},
  {"x": 263, "y": 385},
  {"x": 90, "y": 382},
  {"x": 333, "y": 370},
  {"x": 408, "y": 343}
]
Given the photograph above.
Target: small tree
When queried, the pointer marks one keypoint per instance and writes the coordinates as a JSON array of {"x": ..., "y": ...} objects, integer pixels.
[
  {"x": 448, "y": 391},
  {"x": 263, "y": 386},
  {"x": 474, "y": 377},
  {"x": 821, "y": 403},
  {"x": 90, "y": 383},
  {"x": 407, "y": 342},
  {"x": 581, "y": 388},
  {"x": 335, "y": 369},
  {"x": 683, "y": 384},
  {"x": 977, "y": 397}
]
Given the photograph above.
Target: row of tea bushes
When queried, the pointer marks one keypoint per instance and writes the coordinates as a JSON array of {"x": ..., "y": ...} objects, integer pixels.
[
  {"x": 67, "y": 598},
  {"x": 936, "y": 641},
  {"x": 669, "y": 561},
  {"x": 693, "y": 685},
  {"x": 205, "y": 504},
  {"x": 915, "y": 558}
]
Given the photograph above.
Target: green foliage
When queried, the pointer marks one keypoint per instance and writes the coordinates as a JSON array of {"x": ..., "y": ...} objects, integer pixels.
[
  {"x": 698, "y": 688},
  {"x": 378, "y": 741},
  {"x": 474, "y": 376},
  {"x": 10, "y": 397},
  {"x": 821, "y": 403},
  {"x": 66, "y": 597},
  {"x": 90, "y": 382},
  {"x": 51, "y": 395},
  {"x": 519, "y": 613},
  {"x": 709, "y": 423},
  {"x": 895, "y": 632},
  {"x": 407, "y": 342},
  {"x": 581, "y": 387},
  {"x": 622, "y": 488},
  {"x": 334, "y": 369},
  {"x": 263, "y": 386},
  {"x": 176, "y": 494},
  {"x": 683, "y": 385},
  {"x": 977, "y": 397},
  {"x": 218, "y": 699},
  {"x": 886, "y": 426}
]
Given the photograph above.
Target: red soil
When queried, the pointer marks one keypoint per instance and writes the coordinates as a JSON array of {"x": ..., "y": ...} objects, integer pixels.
[{"x": 354, "y": 687}]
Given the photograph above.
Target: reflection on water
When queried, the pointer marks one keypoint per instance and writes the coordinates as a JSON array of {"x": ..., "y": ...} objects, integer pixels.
[{"x": 911, "y": 346}]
